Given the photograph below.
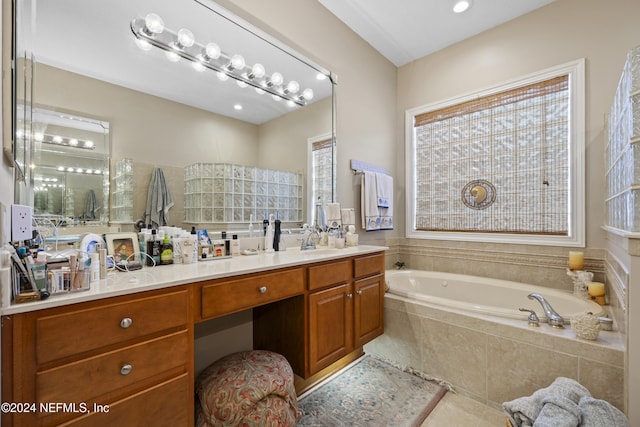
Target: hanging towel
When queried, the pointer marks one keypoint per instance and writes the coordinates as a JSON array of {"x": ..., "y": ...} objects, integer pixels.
[
  {"x": 369, "y": 202},
  {"x": 90, "y": 205},
  {"x": 384, "y": 196},
  {"x": 159, "y": 199},
  {"x": 334, "y": 218}
]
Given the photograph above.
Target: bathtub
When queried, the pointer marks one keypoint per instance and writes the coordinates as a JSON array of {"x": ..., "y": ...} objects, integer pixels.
[{"x": 492, "y": 297}]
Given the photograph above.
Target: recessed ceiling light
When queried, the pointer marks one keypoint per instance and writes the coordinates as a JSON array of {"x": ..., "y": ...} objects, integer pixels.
[
  {"x": 237, "y": 107},
  {"x": 461, "y": 6}
]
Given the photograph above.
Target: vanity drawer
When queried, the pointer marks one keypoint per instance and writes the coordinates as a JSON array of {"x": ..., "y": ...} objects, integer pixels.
[
  {"x": 89, "y": 379},
  {"x": 368, "y": 266},
  {"x": 235, "y": 295},
  {"x": 322, "y": 276},
  {"x": 79, "y": 331},
  {"x": 166, "y": 404}
]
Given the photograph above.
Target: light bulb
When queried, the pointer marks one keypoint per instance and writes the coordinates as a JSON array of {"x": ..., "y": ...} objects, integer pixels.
[
  {"x": 143, "y": 44},
  {"x": 39, "y": 136},
  {"x": 211, "y": 51},
  {"x": 291, "y": 104},
  {"x": 461, "y": 5},
  {"x": 73, "y": 142},
  {"x": 276, "y": 79},
  {"x": 97, "y": 172},
  {"x": 293, "y": 86},
  {"x": 257, "y": 71},
  {"x": 321, "y": 76},
  {"x": 237, "y": 107},
  {"x": 172, "y": 56},
  {"x": 259, "y": 91},
  {"x": 307, "y": 94},
  {"x": 57, "y": 139},
  {"x": 69, "y": 169},
  {"x": 61, "y": 168},
  {"x": 89, "y": 171},
  {"x": 236, "y": 63},
  {"x": 276, "y": 98},
  {"x": 241, "y": 83},
  {"x": 79, "y": 170},
  {"x": 198, "y": 66},
  {"x": 222, "y": 76},
  {"x": 185, "y": 38},
  {"x": 154, "y": 24},
  {"x": 88, "y": 144}
]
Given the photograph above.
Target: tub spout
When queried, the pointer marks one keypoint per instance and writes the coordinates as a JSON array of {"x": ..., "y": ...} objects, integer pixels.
[{"x": 554, "y": 319}]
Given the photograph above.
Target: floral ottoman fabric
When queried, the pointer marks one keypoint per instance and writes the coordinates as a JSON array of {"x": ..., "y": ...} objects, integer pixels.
[{"x": 249, "y": 388}]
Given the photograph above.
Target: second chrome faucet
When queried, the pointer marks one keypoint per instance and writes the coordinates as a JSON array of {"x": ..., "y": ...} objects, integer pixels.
[{"x": 553, "y": 318}]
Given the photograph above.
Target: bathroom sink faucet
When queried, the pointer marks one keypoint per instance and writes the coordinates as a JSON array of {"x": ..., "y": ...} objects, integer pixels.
[
  {"x": 554, "y": 319},
  {"x": 308, "y": 239}
]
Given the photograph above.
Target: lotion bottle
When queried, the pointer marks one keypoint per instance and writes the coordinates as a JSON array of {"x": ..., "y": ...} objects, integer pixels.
[{"x": 268, "y": 235}]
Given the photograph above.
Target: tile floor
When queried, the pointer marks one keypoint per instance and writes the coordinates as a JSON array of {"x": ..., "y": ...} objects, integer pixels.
[{"x": 460, "y": 411}]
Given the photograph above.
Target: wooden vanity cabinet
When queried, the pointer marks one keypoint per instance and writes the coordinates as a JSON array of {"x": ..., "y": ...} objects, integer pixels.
[
  {"x": 342, "y": 311},
  {"x": 132, "y": 355}
]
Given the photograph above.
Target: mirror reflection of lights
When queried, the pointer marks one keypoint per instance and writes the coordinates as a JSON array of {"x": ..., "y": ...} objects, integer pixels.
[
  {"x": 46, "y": 138},
  {"x": 151, "y": 31}
]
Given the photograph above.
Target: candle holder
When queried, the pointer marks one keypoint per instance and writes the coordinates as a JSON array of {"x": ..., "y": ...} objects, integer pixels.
[{"x": 581, "y": 281}]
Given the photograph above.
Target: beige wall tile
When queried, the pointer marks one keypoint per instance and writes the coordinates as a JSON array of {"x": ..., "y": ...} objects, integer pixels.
[{"x": 603, "y": 381}]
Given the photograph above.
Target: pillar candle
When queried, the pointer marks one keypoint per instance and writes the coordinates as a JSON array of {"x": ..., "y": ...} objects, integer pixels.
[
  {"x": 596, "y": 292},
  {"x": 576, "y": 260}
]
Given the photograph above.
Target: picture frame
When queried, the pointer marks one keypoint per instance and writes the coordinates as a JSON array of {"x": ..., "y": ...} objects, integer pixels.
[{"x": 122, "y": 246}]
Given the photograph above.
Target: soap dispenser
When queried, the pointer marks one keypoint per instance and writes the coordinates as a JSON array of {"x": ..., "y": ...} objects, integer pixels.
[{"x": 268, "y": 235}]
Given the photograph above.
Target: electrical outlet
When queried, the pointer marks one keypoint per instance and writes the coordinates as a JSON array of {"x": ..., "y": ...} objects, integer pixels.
[{"x": 21, "y": 223}]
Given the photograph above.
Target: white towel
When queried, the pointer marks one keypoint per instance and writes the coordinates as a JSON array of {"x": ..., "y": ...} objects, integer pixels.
[
  {"x": 384, "y": 196},
  {"x": 334, "y": 218},
  {"x": 369, "y": 202}
]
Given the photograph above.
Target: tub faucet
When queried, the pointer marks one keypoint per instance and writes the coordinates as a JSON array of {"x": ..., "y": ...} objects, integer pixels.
[{"x": 554, "y": 319}]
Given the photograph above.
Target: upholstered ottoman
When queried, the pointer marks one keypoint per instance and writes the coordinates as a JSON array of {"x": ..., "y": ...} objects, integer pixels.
[{"x": 249, "y": 388}]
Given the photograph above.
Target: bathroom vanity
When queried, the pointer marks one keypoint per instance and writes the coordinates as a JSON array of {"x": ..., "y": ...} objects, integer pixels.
[{"x": 127, "y": 345}]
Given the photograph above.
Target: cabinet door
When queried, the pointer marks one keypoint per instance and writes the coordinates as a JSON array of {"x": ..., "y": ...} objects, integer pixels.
[
  {"x": 369, "y": 309},
  {"x": 330, "y": 326}
]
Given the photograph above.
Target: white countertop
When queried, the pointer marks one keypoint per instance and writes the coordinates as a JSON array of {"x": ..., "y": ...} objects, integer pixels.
[{"x": 149, "y": 278}]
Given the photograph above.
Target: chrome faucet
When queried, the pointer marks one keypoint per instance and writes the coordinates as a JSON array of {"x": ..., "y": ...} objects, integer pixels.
[
  {"x": 553, "y": 318},
  {"x": 308, "y": 240}
]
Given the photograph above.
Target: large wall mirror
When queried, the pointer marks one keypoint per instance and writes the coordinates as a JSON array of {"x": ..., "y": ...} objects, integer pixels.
[{"x": 169, "y": 83}]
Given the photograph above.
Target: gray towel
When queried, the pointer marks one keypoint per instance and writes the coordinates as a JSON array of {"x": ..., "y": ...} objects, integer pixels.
[
  {"x": 523, "y": 411},
  {"x": 558, "y": 411},
  {"x": 599, "y": 413},
  {"x": 159, "y": 199},
  {"x": 90, "y": 205}
]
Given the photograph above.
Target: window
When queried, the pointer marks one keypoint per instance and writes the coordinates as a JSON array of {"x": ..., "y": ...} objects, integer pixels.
[
  {"x": 321, "y": 184},
  {"x": 502, "y": 165}
]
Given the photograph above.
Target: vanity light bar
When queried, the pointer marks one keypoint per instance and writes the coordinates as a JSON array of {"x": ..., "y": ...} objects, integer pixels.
[
  {"x": 181, "y": 44},
  {"x": 60, "y": 140}
]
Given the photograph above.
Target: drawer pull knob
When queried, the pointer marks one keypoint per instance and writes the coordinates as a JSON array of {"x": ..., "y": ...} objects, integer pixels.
[
  {"x": 359, "y": 292},
  {"x": 126, "y": 369},
  {"x": 263, "y": 289},
  {"x": 126, "y": 322},
  {"x": 349, "y": 295}
]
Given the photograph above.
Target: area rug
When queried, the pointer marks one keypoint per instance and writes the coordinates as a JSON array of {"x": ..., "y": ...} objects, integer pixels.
[{"x": 370, "y": 393}]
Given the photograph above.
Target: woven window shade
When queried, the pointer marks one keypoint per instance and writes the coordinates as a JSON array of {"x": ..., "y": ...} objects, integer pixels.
[{"x": 516, "y": 140}]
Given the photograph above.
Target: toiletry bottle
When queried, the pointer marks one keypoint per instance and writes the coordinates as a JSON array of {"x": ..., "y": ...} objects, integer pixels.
[
  {"x": 166, "y": 252},
  {"x": 268, "y": 235},
  {"x": 227, "y": 244},
  {"x": 235, "y": 245},
  {"x": 276, "y": 235},
  {"x": 177, "y": 247},
  {"x": 251, "y": 226},
  {"x": 153, "y": 249}
]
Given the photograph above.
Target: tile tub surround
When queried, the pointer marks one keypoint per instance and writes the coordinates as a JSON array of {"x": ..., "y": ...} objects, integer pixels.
[{"x": 496, "y": 361}]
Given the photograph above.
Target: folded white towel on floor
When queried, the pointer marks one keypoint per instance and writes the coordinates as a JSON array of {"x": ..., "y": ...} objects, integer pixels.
[{"x": 523, "y": 411}]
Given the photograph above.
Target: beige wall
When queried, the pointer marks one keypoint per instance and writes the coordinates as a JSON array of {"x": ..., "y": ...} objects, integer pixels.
[{"x": 560, "y": 32}]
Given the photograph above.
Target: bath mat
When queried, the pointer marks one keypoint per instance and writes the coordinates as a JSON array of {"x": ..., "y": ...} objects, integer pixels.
[{"x": 370, "y": 393}]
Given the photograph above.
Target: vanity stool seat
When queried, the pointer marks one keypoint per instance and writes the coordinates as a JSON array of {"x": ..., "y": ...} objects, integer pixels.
[{"x": 249, "y": 388}]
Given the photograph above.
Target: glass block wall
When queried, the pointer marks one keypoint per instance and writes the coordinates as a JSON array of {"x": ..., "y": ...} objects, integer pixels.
[
  {"x": 227, "y": 193},
  {"x": 122, "y": 193},
  {"x": 623, "y": 150}
]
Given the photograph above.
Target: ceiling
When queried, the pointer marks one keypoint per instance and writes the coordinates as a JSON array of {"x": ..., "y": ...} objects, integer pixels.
[{"x": 405, "y": 30}]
